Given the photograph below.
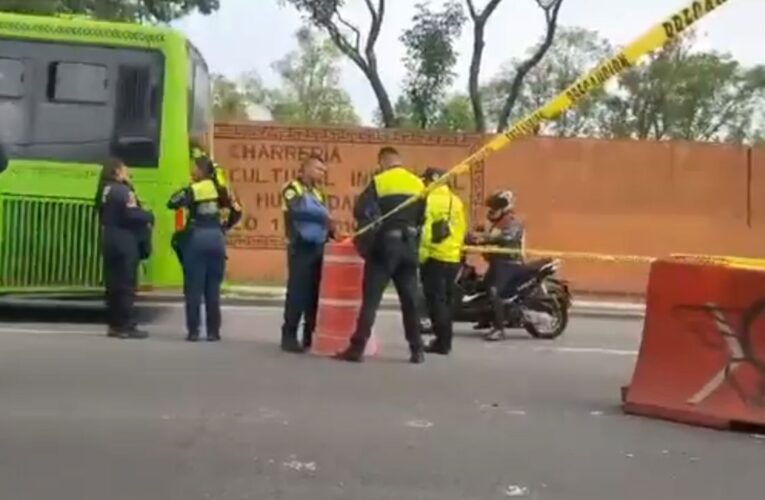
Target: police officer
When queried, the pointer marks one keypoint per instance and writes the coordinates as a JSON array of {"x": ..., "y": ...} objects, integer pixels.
[
  {"x": 390, "y": 251},
  {"x": 126, "y": 229},
  {"x": 308, "y": 226},
  {"x": 443, "y": 236},
  {"x": 203, "y": 250}
]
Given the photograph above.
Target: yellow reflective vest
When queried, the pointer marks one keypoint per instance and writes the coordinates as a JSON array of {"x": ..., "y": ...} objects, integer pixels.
[{"x": 442, "y": 204}]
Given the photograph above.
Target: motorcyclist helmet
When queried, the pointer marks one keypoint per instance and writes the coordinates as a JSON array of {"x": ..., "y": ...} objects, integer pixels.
[{"x": 500, "y": 204}]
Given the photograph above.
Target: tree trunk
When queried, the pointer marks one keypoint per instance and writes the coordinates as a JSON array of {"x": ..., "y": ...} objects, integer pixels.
[
  {"x": 528, "y": 65},
  {"x": 475, "y": 69},
  {"x": 386, "y": 108},
  {"x": 520, "y": 75}
]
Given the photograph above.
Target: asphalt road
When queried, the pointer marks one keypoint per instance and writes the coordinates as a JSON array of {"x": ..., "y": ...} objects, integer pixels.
[{"x": 85, "y": 417}]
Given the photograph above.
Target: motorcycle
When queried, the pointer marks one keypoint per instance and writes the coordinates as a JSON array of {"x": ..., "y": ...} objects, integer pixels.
[{"x": 539, "y": 305}]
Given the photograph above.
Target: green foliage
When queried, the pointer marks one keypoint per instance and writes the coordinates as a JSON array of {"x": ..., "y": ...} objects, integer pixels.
[
  {"x": 456, "y": 114},
  {"x": 309, "y": 92},
  {"x": 573, "y": 52},
  {"x": 680, "y": 94},
  {"x": 326, "y": 15},
  {"x": 675, "y": 93},
  {"x": 114, "y": 10},
  {"x": 430, "y": 59},
  {"x": 229, "y": 100}
]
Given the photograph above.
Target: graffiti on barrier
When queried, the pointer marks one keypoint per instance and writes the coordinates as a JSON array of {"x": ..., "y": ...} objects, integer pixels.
[{"x": 741, "y": 334}]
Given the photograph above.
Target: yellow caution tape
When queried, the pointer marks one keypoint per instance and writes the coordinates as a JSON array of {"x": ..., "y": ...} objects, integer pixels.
[
  {"x": 723, "y": 260},
  {"x": 598, "y": 257},
  {"x": 655, "y": 38}
]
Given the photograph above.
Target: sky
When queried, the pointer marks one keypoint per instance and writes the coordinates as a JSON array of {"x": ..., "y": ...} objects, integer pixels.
[{"x": 249, "y": 35}]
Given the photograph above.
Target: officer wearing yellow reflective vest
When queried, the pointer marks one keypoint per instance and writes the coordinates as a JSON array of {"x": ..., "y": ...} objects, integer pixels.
[
  {"x": 203, "y": 247},
  {"x": 307, "y": 226},
  {"x": 390, "y": 251},
  {"x": 443, "y": 236}
]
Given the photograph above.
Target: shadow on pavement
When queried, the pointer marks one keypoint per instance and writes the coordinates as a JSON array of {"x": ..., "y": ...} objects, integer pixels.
[{"x": 63, "y": 311}]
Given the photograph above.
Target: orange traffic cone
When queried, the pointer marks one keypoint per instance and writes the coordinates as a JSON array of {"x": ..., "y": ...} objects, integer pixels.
[{"x": 340, "y": 300}]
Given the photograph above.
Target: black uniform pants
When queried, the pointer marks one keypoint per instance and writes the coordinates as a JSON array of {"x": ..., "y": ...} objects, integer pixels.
[
  {"x": 501, "y": 281},
  {"x": 304, "y": 263},
  {"x": 438, "y": 284},
  {"x": 396, "y": 260},
  {"x": 120, "y": 277}
]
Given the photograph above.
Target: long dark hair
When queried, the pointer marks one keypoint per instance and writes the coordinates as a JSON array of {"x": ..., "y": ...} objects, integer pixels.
[{"x": 109, "y": 169}]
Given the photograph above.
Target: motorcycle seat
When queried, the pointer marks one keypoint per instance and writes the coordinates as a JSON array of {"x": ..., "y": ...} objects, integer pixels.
[{"x": 537, "y": 265}]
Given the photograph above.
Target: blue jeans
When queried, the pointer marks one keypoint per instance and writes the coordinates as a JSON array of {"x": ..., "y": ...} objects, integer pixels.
[{"x": 204, "y": 266}]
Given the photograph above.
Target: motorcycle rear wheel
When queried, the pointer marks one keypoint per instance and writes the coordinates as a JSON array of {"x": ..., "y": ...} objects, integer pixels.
[{"x": 556, "y": 307}]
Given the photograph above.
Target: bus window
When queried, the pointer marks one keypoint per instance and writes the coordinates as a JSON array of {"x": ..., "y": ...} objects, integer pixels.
[
  {"x": 137, "y": 126},
  {"x": 11, "y": 78},
  {"x": 12, "y": 103},
  {"x": 200, "y": 105},
  {"x": 83, "y": 103},
  {"x": 78, "y": 83}
]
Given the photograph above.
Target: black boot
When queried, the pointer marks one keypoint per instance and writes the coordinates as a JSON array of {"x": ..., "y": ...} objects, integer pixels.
[
  {"x": 192, "y": 337},
  {"x": 351, "y": 355},
  {"x": 137, "y": 333},
  {"x": 435, "y": 347},
  {"x": 291, "y": 344},
  {"x": 213, "y": 337},
  {"x": 417, "y": 357}
]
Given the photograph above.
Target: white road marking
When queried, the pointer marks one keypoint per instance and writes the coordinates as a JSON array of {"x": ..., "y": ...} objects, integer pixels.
[
  {"x": 588, "y": 350},
  {"x": 299, "y": 466},
  {"x": 419, "y": 424},
  {"x": 519, "y": 413},
  {"x": 516, "y": 491}
]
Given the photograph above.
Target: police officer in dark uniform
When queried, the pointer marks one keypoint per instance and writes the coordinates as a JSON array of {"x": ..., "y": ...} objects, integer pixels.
[
  {"x": 125, "y": 239},
  {"x": 203, "y": 249},
  {"x": 308, "y": 226},
  {"x": 390, "y": 251}
]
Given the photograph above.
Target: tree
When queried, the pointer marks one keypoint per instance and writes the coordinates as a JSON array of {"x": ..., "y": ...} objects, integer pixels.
[
  {"x": 637, "y": 108},
  {"x": 347, "y": 37},
  {"x": 551, "y": 9},
  {"x": 456, "y": 115},
  {"x": 480, "y": 18},
  {"x": 430, "y": 58},
  {"x": 680, "y": 94},
  {"x": 114, "y": 10},
  {"x": 229, "y": 100},
  {"x": 309, "y": 92},
  {"x": 573, "y": 52}
]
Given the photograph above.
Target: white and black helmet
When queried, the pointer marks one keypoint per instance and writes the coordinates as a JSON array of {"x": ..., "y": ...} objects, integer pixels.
[{"x": 499, "y": 204}]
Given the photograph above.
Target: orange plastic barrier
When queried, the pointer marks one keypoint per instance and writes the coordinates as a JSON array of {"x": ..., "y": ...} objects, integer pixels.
[
  {"x": 702, "y": 358},
  {"x": 339, "y": 300}
]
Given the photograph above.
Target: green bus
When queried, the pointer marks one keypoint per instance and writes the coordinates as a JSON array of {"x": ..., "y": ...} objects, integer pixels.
[{"x": 72, "y": 92}]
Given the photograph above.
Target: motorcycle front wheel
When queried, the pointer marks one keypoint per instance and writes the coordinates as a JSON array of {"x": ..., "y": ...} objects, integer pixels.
[{"x": 547, "y": 320}]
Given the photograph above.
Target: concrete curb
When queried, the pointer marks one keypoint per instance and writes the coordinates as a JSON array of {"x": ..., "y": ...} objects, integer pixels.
[{"x": 275, "y": 298}]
